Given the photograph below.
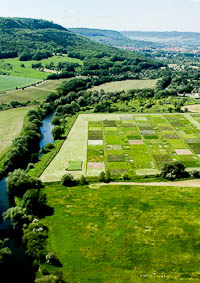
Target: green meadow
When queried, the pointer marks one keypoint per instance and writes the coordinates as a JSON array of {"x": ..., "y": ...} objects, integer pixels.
[
  {"x": 126, "y": 85},
  {"x": 38, "y": 92},
  {"x": 125, "y": 233},
  {"x": 12, "y": 82},
  {"x": 11, "y": 123}
]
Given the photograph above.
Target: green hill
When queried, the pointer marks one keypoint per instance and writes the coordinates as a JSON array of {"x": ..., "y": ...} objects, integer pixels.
[
  {"x": 19, "y": 35},
  {"x": 112, "y": 37}
]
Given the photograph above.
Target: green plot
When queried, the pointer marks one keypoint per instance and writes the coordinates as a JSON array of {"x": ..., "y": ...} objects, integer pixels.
[
  {"x": 12, "y": 82},
  {"x": 75, "y": 166}
]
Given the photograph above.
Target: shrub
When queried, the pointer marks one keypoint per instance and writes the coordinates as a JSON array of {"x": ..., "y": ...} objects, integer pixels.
[
  {"x": 102, "y": 176},
  {"x": 174, "y": 170},
  {"x": 107, "y": 176},
  {"x": 68, "y": 180},
  {"x": 82, "y": 180},
  {"x": 125, "y": 176},
  {"x": 195, "y": 174},
  {"x": 52, "y": 259}
]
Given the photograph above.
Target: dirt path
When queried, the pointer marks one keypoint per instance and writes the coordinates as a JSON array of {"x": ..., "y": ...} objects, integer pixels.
[{"x": 188, "y": 183}]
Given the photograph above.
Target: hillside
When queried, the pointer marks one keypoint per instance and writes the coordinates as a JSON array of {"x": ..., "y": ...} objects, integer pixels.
[
  {"x": 112, "y": 37},
  {"x": 25, "y": 34},
  {"x": 181, "y": 39}
]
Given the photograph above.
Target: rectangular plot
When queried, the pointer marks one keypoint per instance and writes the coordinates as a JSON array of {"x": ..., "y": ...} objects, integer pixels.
[
  {"x": 116, "y": 158},
  {"x": 183, "y": 152},
  {"x": 109, "y": 123},
  {"x": 136, "y": 142},
  {"x": 75, "y": 166},
  {"x": 96, "y": 165},
  {"x": 95, "y": 142}
]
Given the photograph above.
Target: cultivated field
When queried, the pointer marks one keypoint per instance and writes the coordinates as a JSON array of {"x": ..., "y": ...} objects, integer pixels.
[
  {"x": 125, "y": 233},
  {"x": 11, "y": 123},
  {"x": 128, "y": 144},
  {"x": 11, "y": 82},
  {"x": 39, "y": 93},
  {"x": 126, "y": 85}
]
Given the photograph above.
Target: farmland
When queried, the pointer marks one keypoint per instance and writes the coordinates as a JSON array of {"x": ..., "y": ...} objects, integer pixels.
[
  {"x": 125, "y": 233},
  {"x": 38, "y": 92},
  {"x": 136, "y": 145},
  {"x": 126, "y": 85},
  {"x": 12, "y": 82},
  {"x": 11, "y": 123}
]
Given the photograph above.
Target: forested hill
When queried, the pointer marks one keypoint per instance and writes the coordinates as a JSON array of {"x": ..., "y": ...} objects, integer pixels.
[
  {"x": 27, "y": 23},
  {"x": 112, "y": 37},
  {"x": 27, "y": 35}
]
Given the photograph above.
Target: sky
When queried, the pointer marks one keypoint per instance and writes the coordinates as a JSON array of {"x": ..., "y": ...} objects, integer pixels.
[{"x": 137, "y": 15}]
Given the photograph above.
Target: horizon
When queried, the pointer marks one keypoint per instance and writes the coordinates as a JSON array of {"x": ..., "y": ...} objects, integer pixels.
[{"x": 126, "y": 15}]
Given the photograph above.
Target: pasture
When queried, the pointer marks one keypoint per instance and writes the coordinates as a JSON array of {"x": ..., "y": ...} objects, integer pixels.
[
  {"x": 12, "y": 82},
  {"x": 126, "y": 85},
  {"x": 38, "y": 92},
  {"x": 124, "y": 233},
  {"x": 132, "y": 144},
  {"x": 11, "y": 123},
  {"x": 14, "y": 67}
]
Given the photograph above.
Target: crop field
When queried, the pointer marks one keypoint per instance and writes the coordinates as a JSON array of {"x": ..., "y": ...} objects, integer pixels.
[
  {"x": 125, "y": 233},
  {"x": 11, "y": 123},
  {"x": 126, "y": 85},
  {"x": 14, "y": 66},
  {"x": 11, "y": 82},
  {"x": 128, "y": 144},
  {"x": 39, "y": 92}
]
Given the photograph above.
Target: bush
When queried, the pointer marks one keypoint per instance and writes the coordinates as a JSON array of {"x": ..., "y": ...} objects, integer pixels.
[
  {"x": 102, "y": 177},
  {"x": 174, "y": 170},
  {"x": 68, "y": 180},
  {"x": 107, "y": 176},
  {"x": 82, "y": 180},
  {"x": 195, "y": 174},
  {"x": 52, "y": 259},
  {"x": 125, "y": 177}
]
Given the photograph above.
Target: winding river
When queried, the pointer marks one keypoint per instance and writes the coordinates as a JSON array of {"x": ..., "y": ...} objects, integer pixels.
[{"x": 20, "y": 269}]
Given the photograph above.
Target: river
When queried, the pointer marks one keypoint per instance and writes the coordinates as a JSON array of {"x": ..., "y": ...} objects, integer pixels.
[{"x": 20, "y": 269}]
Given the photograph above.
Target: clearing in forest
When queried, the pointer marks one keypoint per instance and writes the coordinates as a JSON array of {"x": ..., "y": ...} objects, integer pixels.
[{"x": 133, "y": 144}]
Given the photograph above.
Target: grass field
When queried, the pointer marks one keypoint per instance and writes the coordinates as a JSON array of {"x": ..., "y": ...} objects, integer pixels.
[
  {"x": 124, "y": 233},
  {"x": 132, "y": 144},
  {"x": 126, "y": 85},
  {"x": 11, "y": 123},
  {"x": 39, "y": 93},
  {"x": 11, "y": 82},
  {"x": 14, "y": 68}
]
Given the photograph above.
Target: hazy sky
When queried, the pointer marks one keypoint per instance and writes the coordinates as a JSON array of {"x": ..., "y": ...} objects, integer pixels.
[{"x": 149, "y": 15}]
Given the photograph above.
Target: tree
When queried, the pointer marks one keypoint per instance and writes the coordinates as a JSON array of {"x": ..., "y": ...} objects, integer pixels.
[
  {"x": 5, "y": 252},
  {"x": 18, "y": 182},
  {"x": 34, "y": 202},
  {"x": 18, "y": 217},
  {"x": 174, "y": 170},
  {"x": 57, "y": 132}
]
